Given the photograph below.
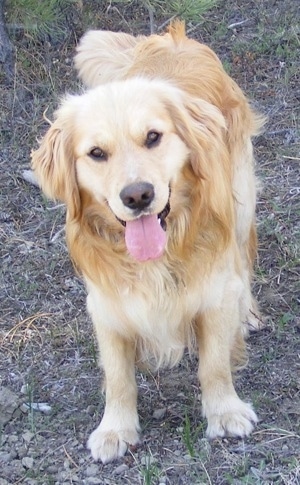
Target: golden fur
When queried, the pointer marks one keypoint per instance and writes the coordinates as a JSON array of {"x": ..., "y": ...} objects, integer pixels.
[{"x": 197, "y": 293}]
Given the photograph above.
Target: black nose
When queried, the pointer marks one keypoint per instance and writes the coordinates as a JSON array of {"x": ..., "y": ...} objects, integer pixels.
[{"x": 138, "y": 195}]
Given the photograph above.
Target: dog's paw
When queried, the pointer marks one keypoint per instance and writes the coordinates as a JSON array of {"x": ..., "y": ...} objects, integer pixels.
[
  {"x": 254, "y": 323},
  {"x": 234, "y": 418},
  {"x": 108, "y": 445}
]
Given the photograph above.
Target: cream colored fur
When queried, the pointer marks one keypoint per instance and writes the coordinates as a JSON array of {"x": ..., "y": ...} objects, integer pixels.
[{"x": 197, "y": 294}]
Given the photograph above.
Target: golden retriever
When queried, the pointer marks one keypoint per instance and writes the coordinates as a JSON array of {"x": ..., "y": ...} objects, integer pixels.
[{"x": 155, "y": 165}]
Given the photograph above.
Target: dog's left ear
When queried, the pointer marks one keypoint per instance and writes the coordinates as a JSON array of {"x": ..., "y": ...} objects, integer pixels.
[
  {"x": 54, "y": 166},
  {"x": 203, "y": 129}
]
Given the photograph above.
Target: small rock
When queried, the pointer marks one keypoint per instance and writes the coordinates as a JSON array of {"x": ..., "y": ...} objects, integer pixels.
[
  {"x": 3, "y": 439},
  {"x": 13, "y": 438},
  {"x": 62, "y": 476},
  {"x": 17, "y": 467},
  {"x": 5, "y": 457},
  {"x": 17, "y": 414},
  {"x": 205, "y": 447},
  {"x": 92, "y": 470},
  {"x": 75, "y": 478},
  {"x": 27, "y": 462},
  {"x": 22, "y": 451},
  {"x": 51, "y": 469},
  {"x": 24, "y": 408},
  {"x": 4, "y": 482},
  {"x": 121, "y": 469},
  {"x": 43, "y": 407},
  {"x": 159, "y": 413},
  {"x": 74, "y": 444},
  {"x": 91, "y": 409},
  {"x": 27, "y": 436},
  {"x": 94, "y": 481},
  {"x": 8, "y": 404},
  {"x": 24, "y": 389}
]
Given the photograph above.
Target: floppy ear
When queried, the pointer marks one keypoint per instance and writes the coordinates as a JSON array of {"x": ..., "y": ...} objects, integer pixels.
[
  {"x": 202, "y": 127},
  {"x": 104, "y": 56},
  {"x": 54, "y": 166}
]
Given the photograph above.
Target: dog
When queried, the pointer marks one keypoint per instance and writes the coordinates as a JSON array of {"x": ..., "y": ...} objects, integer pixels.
[{"x": 154, "y": 162}]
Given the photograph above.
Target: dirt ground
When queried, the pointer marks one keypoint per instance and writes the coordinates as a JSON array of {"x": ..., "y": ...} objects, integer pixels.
[{"x": 48, "y": 352}]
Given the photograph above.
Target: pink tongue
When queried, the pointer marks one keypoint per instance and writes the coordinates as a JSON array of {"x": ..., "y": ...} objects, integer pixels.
[{"x": 145, "y": 239}]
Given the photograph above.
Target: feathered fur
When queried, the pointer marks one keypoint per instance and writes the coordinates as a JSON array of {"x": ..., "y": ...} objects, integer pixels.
[{"x": 197, "y": 294}]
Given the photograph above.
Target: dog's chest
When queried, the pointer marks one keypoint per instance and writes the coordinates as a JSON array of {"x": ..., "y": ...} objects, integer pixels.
[
  {"x": 153, "y": 303},
  {"x": 156, "y": 309}
]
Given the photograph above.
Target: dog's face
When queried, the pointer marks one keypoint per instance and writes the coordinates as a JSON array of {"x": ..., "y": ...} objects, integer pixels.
[
  {"x": 128, "y": 155},
  {"x": 125, "y": 144}
]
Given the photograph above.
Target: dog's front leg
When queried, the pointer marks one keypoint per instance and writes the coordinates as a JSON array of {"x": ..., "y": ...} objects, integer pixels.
[
  {"x": 225, "y": 412},
  {"x": 120, "y": 424}
]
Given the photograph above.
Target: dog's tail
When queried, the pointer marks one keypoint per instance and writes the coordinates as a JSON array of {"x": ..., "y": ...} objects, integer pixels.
[
  {"x": 177, "y": 30},
  {"x": 104, "y": 56}
]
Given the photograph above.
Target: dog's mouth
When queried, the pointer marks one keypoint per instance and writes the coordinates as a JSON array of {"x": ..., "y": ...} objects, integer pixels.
[
  {"x": 145, "y": 237},
  {"x": 161, "y": 217}
]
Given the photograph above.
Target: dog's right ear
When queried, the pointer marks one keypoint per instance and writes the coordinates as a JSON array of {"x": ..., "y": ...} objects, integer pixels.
[{"x": 53, "y": 164}]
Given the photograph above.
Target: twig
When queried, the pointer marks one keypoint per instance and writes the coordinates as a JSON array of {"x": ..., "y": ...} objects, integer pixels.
[
  {"x": 55, "y": 207},
  {"x": 45, "y": 117},
  {"x": 151, "y": 11},
  {"x": 236, "y": 24},
  {"x": 57, "y": 235},
  {"x": 70, "y": 458},
  {"x": 191, "y": 29},
  {"x": 290, "y": 158},
  {"x": 115, "y": 9},
  {"x": 28, "y": 321},
  {"x": 151, "y": 19},
  {"x": 166, "y": 22},
  {"x": 284, "y": 433}
]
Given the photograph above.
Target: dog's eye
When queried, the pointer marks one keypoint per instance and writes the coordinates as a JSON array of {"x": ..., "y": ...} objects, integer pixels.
[
  {"x": 153, "y": 139},
  {"x": 98, "y": 155}
]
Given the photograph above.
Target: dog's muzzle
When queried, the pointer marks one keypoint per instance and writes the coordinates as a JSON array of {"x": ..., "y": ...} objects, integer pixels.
[{"x": 145, "y": 236}]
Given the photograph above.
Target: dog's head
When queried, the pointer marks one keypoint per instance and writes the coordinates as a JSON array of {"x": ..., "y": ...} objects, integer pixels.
[{"x": 125, "y": 145}]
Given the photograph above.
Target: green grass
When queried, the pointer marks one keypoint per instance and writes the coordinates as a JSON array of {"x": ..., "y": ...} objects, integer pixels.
[
  {"x": 149, "y": 471},
  {"x": 190, "y": 435},
  {"x": 281, "y": 41}
]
